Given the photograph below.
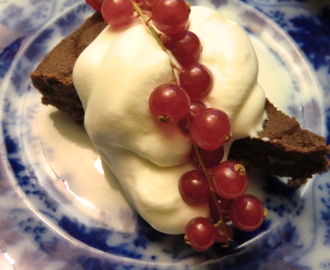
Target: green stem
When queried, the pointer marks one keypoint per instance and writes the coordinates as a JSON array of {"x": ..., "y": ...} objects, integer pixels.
[
  {"x": 156, "y": 36},
  {"x": 200, "y": 160}
]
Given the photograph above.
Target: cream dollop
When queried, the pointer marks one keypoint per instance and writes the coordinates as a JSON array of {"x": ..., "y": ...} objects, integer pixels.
[{"x": 114, "y": 77}]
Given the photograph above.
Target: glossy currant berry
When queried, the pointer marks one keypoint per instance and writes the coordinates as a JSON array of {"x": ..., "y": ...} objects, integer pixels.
[
  {"x": 210, "y": 128},
  {"x": 169, "y": 103},
  {"x": 185, "y": 47},
  {"x": 194, "y": 187},
  {"x": 247, "y": 213},
  {"x": 200, "y": 232},
  {"x": 170, "y": 16},
  {"x": 196, "y": 80},
  {"x": 196, "y": 106},
  {"x": 117, "y": 13},
  {"x": 230, "y": 179}
]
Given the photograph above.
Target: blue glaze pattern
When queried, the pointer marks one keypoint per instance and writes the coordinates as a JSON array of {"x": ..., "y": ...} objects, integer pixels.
[{"x": 38, "y": 213}]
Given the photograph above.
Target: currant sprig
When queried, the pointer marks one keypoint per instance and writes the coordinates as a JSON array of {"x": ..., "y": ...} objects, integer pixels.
[{"x": 220, "y": 184}]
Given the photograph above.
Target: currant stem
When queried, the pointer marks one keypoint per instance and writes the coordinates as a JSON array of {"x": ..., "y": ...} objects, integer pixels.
[
  {"x": 155, "y": 35},
  {"x": 201, "y": 162}
]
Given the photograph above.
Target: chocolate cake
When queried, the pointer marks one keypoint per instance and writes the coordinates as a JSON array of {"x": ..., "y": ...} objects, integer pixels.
[
  {"x": 282, "y": 148},
  {"x": 53, "y": 76}
]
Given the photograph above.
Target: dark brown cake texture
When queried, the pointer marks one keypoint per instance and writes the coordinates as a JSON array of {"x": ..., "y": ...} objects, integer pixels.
[
  {"x": 53, "y": 76},
  {"x": 282, "y": 148}
]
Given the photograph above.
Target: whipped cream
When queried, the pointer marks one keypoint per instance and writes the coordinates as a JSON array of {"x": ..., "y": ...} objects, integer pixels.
[{"x": 114, "y": 77}]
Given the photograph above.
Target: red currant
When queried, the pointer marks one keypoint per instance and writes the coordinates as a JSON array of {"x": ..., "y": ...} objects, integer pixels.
[
  {"x": 150, "y": 3},
  {"x": 247, "y": 213},
  {"x": 216, "y": 203},
  {"x": 185, "y": 47},
  {"x": 210, "y": 128},
  {"x": 230, "y": 179},
  {"x": 169, "y": 103},
  {"x": 201, "y": 233},
  {"x": 170, "y": 16},
  {"x": 196, "y": 80},
  {"x": 196, "y": 106},
  {"x": 143, "y": 5},
  {"x": 95, "y": 4},
  {"x": 222, "y": 235},
  {"x": 117, "y": 13},
  {"x": 211, "y": 158},
  {"x": 194, "y": 187}
]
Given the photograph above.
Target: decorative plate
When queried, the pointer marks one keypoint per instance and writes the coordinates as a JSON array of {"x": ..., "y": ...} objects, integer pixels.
[{"x": 61, "y": 209}]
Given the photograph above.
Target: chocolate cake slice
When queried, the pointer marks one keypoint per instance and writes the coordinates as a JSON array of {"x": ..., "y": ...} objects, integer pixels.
[
  {"x": 282, "y": 148},
  {"x": 53, "y": 76}
]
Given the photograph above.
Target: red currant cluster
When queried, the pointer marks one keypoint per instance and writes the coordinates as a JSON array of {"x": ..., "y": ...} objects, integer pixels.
[{"x": 220, "y": 184}]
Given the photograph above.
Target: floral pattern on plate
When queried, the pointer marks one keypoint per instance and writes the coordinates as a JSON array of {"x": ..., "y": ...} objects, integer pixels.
[{"x": 44, "y": 224}]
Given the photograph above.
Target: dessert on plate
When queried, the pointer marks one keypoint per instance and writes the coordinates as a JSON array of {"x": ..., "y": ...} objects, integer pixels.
[{"x": 103, "y": 76}]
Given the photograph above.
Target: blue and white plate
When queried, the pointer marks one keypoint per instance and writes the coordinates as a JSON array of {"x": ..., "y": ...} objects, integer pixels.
[{"x": 61, "y": 209}]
